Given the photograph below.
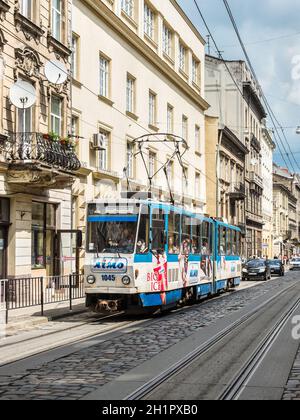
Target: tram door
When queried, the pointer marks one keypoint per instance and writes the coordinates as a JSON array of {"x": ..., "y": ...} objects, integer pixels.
[{"x": 67, "y": 252}]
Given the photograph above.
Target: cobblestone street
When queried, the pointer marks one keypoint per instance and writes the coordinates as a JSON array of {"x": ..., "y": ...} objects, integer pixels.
[{"x": 78, "y": 374}]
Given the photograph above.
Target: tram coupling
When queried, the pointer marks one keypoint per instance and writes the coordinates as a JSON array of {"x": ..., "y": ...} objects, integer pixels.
[{"x": 104, "y": 306}]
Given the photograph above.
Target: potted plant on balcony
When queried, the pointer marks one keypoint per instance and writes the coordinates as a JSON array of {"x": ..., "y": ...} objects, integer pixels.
[{"x": 51, "y": 136}]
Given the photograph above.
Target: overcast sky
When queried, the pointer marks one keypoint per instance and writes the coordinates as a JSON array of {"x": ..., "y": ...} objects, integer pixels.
[{"x": 270, "y": 30}]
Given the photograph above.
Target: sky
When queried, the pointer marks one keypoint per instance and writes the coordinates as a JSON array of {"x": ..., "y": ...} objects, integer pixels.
[{"x": 270, "y": 30}]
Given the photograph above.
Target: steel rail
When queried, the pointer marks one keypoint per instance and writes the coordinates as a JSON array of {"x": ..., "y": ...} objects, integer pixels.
[
  {"x": 154, "y": 383},
  {"x": 234, "y": 390}
]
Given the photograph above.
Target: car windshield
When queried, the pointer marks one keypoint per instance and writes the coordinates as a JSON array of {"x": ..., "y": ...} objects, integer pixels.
[
  {"x": 275, "y": 262},
  {"x": 110, "y": 234},
  {"x": 256, "y": 264},
  {"x": 296, "y": 260}
]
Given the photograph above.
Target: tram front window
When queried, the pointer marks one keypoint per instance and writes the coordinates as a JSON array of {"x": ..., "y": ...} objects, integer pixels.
[{"x": 110, "y": 234}]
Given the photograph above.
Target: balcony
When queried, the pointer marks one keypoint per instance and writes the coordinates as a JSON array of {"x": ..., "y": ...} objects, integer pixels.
[
  {"x": 254, "y": 218},
  {"x": 38, "y": 160},
  {"x": 238, "y": 191},
  {"x": 256, "y": 182}
]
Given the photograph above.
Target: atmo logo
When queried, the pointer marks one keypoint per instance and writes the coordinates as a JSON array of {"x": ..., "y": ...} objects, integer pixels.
[
  {"x": 296, "y": 67},
  {"x": 296, "y": 329}
]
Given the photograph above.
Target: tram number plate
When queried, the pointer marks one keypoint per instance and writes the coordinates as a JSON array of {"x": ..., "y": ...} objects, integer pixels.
[{"x": 108, "y": 277}]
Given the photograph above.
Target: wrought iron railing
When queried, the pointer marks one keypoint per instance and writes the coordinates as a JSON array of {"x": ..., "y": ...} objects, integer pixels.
[
  {"x": 40, "y": 291},
  {"x": 37, "y": 147}
]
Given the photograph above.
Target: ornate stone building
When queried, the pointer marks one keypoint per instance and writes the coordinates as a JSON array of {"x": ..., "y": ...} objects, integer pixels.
[{"x": 37, "y": 161}]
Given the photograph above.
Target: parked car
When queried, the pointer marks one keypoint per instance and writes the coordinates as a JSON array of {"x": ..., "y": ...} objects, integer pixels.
[
  {"x": 276, "y": 267},
  {"x": 295, "y": 263},
  {"x": 257, "y": 270}
]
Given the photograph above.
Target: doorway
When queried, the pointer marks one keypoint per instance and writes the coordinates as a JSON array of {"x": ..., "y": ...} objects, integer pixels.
[{"x": 3, "y": 252}]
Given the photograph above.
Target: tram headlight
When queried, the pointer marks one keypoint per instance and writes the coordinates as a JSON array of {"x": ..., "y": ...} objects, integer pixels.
[
  {"x": 126, "y": 280},
  {"x": 91, "y": 279},
  {"x": 245, "y": 270}
]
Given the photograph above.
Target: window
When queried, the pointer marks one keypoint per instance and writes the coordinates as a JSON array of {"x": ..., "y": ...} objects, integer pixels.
[
  {"x": 152, "y": 108},
  {"x": 57, "y": 19},
  {"x": 170, "y": 119},
  {"x": 129, "y": 163},
  {"x": 234, "y": 242},
  {"x": 185, "y": 128},
  {"x": 229, "y": 242},
  {"x": 206, "y": 240},
  {"x": 197, "y": 185},
  {"x": 186, "y": 229},
  {"x": 158, "y": 229},
  {"x": 128, "y": 7},
  {"x": 103, "y": 154},
  {"x": 197, "y": 139},
  {"x": 196, "y": 236},
  {"x": 152, "y": 159},
  {"x": 222, "y": 241},
  {"x": 56, "y": 115},
  {"x": 167, "y": 41},
  {"x": 104, "y": 76},
  {"x": 142, "y": 246},
  {"x": 25, "y": 120},
  {"x": 75, "y": 61},
  {"x": 182, "y": 58},
  {"x": 149, "y": 21},
  {"x": 174, "y": 233},
  {"x": 43, "y": 230},
  {"x": 195, "y": 71},
  {"x": 26, "y": 9},
  {"x": 130, "y": 93},
  {"x": 75, "y": 130}
]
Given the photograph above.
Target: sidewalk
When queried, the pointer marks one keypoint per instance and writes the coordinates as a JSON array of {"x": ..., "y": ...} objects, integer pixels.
[{"x": 27, "y": 318}]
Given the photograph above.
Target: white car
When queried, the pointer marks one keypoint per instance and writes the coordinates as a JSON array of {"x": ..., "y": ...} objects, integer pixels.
[{"x": 295, "y": 264}]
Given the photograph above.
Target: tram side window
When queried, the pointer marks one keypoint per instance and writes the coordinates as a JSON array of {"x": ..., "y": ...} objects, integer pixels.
[
  {"x": 174, "y": 233},
  {"x": 238, "y": 243},
  {"x": 206, "y": 243},
  {"x": 186, "y": 232},
  {"x": 222, "y": 241},
  {"x": 229, "y": 242},
  {"x": 158, "y": 229},
  {"x": 196, "y": 236},
  {"x": 234, "y": 242},
  {"x": 142, "y": 246}
]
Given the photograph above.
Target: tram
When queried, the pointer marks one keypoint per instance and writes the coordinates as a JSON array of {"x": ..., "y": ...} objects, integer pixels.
[{"x": 148, "y": 256}]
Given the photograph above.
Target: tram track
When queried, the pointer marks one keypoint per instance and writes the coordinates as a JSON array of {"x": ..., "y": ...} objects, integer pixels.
[
  {"x": 236, "y": 386},
  {"x": 81, "y": 337}
]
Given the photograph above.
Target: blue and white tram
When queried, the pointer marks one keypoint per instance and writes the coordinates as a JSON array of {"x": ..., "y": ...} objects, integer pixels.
[{"x": 149, "y": 256}]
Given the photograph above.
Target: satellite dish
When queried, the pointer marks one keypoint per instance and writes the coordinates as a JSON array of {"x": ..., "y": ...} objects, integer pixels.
[
  {"x": 22, "y": 94},
  {"x": 56, "y": 72}
]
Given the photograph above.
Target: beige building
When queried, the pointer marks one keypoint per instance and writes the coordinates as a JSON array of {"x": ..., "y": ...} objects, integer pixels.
[
  {"x": 137, "y": 70},
  {"x": 268, "y": 146},
  {"x": 238, "y": 105},
  {"x": 286, "y": 222},
  {"x": 37, "y": 161}
]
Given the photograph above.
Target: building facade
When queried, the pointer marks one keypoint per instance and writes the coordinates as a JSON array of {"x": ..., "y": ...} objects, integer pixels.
[
  {"x": 268, "y": 147},
  {"x": 37, "y": 160},
  {"x": 138, "y": 70},
  {"x": 286, "y": 216}
]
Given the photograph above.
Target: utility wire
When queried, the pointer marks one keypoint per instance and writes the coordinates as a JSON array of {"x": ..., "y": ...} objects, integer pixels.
[{"x": 269, "y": 109}]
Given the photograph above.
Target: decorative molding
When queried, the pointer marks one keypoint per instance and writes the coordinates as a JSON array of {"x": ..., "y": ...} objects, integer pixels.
[
  {"x": 29, "y": 28},
  {"x": 28, "y": 61},
  {"x": 3, "y": 41},
  {"x": 4, "y": 8},
  {"x": 60, "y": 50}
]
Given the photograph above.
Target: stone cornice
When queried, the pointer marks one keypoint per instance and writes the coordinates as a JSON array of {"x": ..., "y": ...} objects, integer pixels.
[
  {"x": 59, "y": 49},
  {"x": 112, "y": 20},
  {"x": 4, "y": 8},
  {"x": 29, "y": 28}
]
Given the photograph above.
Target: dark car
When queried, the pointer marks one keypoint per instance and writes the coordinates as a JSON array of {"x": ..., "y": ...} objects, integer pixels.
[
  {"x": 276, "y": 267},
  {"x": 257, "y": 270}
]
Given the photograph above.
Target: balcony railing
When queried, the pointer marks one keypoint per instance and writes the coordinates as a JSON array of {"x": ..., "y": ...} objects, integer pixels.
[
  {"x": 40, "y": 148},
  {"x": 256, "y": 179},
  {"x": 238, "y": 191}
]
